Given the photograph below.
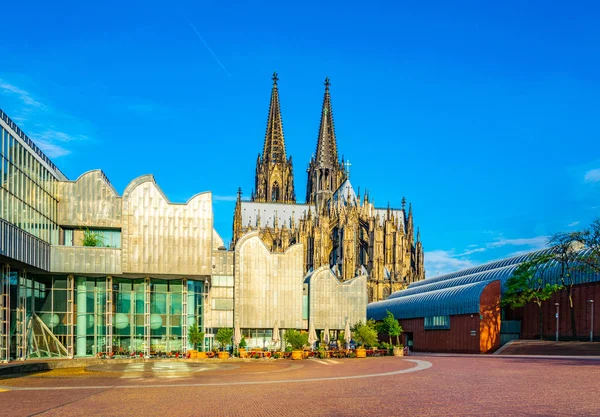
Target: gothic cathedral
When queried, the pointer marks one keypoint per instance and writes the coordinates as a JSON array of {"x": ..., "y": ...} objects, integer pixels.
[{"x": 336, "y": 226}]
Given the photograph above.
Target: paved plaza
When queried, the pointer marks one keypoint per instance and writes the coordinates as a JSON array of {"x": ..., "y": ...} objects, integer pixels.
[{"x": 387, "y": 386}]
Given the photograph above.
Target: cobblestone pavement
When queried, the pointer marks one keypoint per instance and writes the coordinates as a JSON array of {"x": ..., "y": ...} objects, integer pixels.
[{"x": 419, "y": 385}]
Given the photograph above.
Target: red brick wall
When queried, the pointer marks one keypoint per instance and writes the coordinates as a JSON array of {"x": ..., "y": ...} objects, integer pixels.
[
  {"x": 458, "y": 338},
  {"x": 529, "y": 315}
]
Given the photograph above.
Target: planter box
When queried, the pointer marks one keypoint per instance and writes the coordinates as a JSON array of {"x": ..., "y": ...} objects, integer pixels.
[
  {"x": 201, "y": 355},
  {"x": 361, "y": 353},
  {"x": 242, "y": 352},
  {"x": 297, "y": 355},
  {"x": 398, "y": 351},
  {"x": 223, "y": 355}
]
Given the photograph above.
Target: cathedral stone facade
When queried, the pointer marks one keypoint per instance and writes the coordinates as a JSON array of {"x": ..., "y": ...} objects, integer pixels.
[{"x": 336, "y": 226}]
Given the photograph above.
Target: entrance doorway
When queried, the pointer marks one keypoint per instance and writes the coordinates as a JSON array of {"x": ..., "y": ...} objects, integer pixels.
[{"x": 408, "y": 340}]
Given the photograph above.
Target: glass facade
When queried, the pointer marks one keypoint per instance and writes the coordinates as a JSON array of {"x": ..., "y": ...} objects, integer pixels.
[
  {"x": 258, "y": 338},
  {"x": 54, "y": 315},
  {"x": 28, "y": 189}
]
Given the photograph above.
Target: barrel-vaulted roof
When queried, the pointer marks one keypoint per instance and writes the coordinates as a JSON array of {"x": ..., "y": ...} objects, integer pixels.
[
  {"x": 456, "y": 293},
  {"x": 463, "y": 299}
]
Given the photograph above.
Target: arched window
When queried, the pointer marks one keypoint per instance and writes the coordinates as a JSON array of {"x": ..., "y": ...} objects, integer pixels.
[{"x": 275, "y": 192}]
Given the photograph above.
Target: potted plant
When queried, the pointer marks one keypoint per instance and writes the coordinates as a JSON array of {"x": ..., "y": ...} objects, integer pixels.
[
  {"x": 242, "y": 348},
  {"x": 391, "y": 326},
  {"x": 365, "y": 335},
  {"x": 195, "y": 337},
  {"x": 297, "y": 341},
  {"x": 223, "y": 337},
  {"x": 322, "y": 352}
]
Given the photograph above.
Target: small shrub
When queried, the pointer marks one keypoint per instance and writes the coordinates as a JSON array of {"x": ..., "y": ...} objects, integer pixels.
[
  {"x": 91, "y": 238},
  {"x": 295, "y": 339}
]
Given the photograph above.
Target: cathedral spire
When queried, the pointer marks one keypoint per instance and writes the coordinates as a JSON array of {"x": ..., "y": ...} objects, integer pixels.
[
  {"x": 325, "y": 173},
  {"x": 327, "y": 156},
  {"x": 274, "y": 147},
  {"x": 237, "y": 217},
  {"x": 274, "y": 180}
]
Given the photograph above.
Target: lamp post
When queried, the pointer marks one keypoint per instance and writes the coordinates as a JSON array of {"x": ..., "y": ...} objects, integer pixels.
[
  {"x": 592, "y": 320},
  {"x": 556, "y": 304}
]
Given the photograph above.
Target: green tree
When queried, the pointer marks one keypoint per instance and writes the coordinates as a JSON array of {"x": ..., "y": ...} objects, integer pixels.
[
  {"x": 528, "y": 284},
  {"x": 297, "y": 340},
  {"x": 366, "y": 334},
  {"x": 243, "y": 343},
  {"x": 567, "y": 252},
  {"x": 196, "y": 336},
  {"x": 224, "y": 336},
  {"x": 391, "y": 327}
]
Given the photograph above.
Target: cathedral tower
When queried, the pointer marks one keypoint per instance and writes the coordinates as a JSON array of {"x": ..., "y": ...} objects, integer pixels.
[
  {"x": 325, "y": 173},
  {"x": 274, "y": 180}
]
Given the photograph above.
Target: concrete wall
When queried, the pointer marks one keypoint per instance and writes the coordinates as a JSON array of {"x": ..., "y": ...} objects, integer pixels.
[
  {"x": 159, "y": 237},
  {"x": 90, "y": 201},
  {"x": 222, "y": 268},
  {"x": 268, "y": 286},
  {"x": 331, "y": 302}
]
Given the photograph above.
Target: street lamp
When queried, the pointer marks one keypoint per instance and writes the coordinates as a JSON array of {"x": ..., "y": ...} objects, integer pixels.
[
  {"x": 556, "y": 304},
  {"x": 592, "y": 320}
]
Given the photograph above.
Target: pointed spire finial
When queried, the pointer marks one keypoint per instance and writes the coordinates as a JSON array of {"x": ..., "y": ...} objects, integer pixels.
[
  {"x": 403, "y": 203},
  {"x": 275, "y": 79},
  {"x": 327, "y": 83}
]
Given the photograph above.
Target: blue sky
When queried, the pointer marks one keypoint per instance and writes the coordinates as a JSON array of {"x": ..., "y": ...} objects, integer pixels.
[{"x": 485, "y": 116}]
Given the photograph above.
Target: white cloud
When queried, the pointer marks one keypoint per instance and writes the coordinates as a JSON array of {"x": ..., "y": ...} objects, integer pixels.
[
  {"x": 573, "y": 224},
  {"x": 42, "y": 131},
  {"x": 51, "y": 135},
  {"x": 538, "y": 242},
  {"x": 438, "y": 262},
  {"x": 593, "y": 175},
  {"x": 471, "y": 251},
  {"x": 224, "y": 197},
  {"x": 52, "y": 150},
  {"x": 23, "y": 95}
]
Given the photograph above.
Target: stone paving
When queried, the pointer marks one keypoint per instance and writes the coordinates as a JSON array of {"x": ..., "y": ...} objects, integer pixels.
[{"x": 387, "y": 386}]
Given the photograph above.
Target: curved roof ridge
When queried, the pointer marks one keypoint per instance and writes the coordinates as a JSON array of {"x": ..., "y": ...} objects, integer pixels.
[
  {"x": 461, "y": 299},
  {"x": 483, "y": 267}
]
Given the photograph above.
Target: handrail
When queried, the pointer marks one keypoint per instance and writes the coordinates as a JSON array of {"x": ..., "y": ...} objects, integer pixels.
[{"x": 29, "y": 142}]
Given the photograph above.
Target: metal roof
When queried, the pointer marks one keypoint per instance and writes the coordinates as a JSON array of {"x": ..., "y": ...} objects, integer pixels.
[
  {"x": 463, "y": 299},
  {"x": 485, "y": 267},
  {"x": 457, "y": 294},
  {"x": 268, "y": 211},
  {"x": 495, "y": 274},
  {"x": 345, "y": 194}
]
